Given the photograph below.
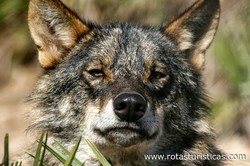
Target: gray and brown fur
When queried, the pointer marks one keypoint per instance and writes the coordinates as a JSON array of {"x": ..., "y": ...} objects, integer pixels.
[{"x": 86, "y": 66}]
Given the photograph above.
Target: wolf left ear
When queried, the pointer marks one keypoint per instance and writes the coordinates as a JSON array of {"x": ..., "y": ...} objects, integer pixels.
[
  {"x": 55, "y": 29},
  {"x": 194, "y": 29}
]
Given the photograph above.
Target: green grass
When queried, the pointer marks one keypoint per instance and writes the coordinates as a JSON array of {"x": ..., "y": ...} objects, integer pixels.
[{"x": 62, "y": 154}]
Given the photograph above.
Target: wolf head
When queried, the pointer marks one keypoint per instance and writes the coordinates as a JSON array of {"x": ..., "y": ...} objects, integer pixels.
[{"x": 122, "y": 85}]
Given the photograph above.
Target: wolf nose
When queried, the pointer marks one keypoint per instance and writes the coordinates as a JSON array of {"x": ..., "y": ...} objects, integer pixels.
[{"x": 130, "y": 106}]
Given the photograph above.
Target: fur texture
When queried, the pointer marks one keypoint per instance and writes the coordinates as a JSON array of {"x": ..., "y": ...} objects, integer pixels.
[{"x": 86, "y": 66}]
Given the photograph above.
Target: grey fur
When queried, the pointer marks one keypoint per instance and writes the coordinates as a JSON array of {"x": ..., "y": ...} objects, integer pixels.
[{"x": 70, "y": 101}]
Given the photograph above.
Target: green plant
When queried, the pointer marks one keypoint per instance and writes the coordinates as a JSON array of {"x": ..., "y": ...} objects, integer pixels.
[{"x": 62, "y": 154}]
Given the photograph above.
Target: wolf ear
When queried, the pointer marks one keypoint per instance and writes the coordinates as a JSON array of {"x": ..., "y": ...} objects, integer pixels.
[
  {"x": 194, "y": 29},
  {"x": 55, "y": 29}
]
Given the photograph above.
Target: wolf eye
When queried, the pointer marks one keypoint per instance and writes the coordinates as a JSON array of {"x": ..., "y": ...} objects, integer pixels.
[
  {"x": 96, "y": 73},
  {"x": 158, "y": 75}
]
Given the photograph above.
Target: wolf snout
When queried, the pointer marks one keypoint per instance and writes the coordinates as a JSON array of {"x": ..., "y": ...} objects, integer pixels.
[{"x": 130, "y": 106}]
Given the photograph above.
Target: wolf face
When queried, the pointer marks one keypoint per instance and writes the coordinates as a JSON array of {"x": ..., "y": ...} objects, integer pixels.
[{"x": 129, "y": 88}]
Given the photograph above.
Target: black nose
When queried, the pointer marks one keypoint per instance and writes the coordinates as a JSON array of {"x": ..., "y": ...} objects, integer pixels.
[{"x": 130, "y": 106}]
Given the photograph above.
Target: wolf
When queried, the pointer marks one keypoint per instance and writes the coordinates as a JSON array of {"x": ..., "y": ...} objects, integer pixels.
[{"x": 131, "y": 89}]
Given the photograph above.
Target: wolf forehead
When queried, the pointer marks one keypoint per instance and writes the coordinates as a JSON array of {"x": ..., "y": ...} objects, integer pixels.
[{"x": 127, "y": 46}]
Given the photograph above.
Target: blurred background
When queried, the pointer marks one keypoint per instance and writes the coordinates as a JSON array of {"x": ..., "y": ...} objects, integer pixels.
[{"x": 226, "y": 74}]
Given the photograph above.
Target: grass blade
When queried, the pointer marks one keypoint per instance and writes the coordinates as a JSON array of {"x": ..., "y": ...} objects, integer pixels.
[
  {"x": 6, "y": 150},
  {"x": 44, "y": 164},
  {"x": 61, "y": 157},
  {"x": 72, "y": 153},
  {"x": 98, "y": 154},
  {"x": 16, "y": 163},
  {"x": 64, "y": 150},
  {"x": 62, "y": 147},
  {"x": 44, "y": 149},
  {"x": 20, "y": 164},
  {"x": 38, "y": 151}
]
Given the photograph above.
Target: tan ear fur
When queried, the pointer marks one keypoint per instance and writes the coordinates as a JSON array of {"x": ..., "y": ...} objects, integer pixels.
[
  {"x": 194, "y": 29},
  {"x": 55, "y": 29},
  {"x": 198, "y": 55}
]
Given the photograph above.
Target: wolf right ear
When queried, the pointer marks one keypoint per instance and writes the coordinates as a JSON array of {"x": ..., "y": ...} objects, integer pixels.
[
  {"x": 194, "y": 29},
  {"x": 55, "y": 29}
]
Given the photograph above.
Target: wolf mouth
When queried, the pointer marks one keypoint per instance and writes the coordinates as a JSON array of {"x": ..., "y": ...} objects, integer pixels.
[{"x": 125, "y": 136}]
